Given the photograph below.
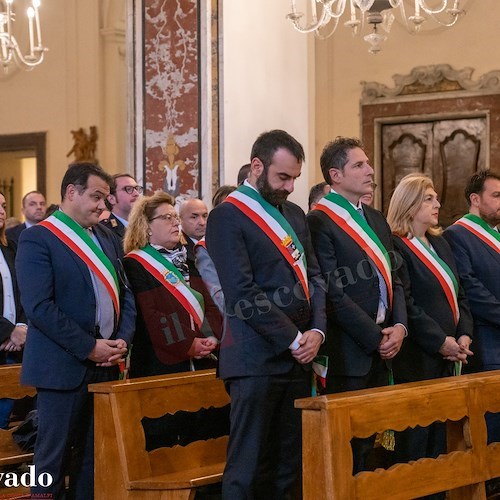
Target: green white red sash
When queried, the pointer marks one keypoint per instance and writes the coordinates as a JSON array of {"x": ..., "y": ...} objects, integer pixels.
[
  {"x": 80, "y": 242},
  {"x": 171, "y": 278},
  {"x": 202, "y": 243},
  {"x": 439, "y": 269},
  {"x": 275, "y": 227},
  {"x": 479, "y": 228},
  {"x": 344, "y": 215}
]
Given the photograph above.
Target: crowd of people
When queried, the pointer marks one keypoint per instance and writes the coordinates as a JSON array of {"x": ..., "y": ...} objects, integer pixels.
[{"x": 255, "y": 288}]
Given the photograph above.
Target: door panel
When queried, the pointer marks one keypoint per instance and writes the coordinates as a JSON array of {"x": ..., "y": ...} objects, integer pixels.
[{"x": 448, "y": 151}]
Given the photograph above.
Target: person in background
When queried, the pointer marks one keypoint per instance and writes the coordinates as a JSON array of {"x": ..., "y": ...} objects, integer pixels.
[
  {"x": 275, "y": 319},
  {"x": 51, "y": 209},
  {"x": 13, "y": 321},
  {"x": 316, "y": 193},
  {"x": 177, "y": 322},
  {"x": 193, "y": 215},
  {"x": 124, "y": 192},
  {"x": 205, "y": 264},
  {"x": 367, "y": 198},
  {"x": 33, "y": 209},
  {"x": 475, "y": 242},
  {"x": 81, "y": 318},
  {"x": 243, "y": 174},
  {"x": 439, "y": 318}
]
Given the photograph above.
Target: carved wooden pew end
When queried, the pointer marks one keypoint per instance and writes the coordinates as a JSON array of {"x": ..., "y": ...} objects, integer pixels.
[{"x": 159, "y": 437}]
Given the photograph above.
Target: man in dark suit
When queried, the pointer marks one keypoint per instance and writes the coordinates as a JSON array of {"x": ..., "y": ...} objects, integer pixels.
[
  {"x": 33, "y": 209},
  {"x": 124, "y": 191},
  {"x": 365, "y": 301},
  {"x": 259, "y": 243},
  {"x": 81, "y": 319},
  {"x": 475, "y": 242}
]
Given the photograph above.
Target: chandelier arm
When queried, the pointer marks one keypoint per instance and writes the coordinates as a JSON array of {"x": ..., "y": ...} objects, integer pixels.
[
  {"x": 339, "y": 11},
  {"x": 443, "y": 23},
  {"x": 430, "y": 11},
  {"x": 330, "y": 33},
  {"x": 5, "y": 53},
  {"x": 308, "y": 28}
]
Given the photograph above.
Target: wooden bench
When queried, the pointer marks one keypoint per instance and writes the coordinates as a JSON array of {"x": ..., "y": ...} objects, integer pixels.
[
  {"x": 330, "y": 422},
  {"x": 10, "y": 452},
  {"x": 124, "y": 468}
]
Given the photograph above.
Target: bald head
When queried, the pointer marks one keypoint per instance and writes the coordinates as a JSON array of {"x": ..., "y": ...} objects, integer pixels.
[{"x": 194, "y": 214}]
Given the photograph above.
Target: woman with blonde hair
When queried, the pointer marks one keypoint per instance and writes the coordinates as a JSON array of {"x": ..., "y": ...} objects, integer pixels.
[
  {"x": 177, "y": 322},
  {"x": 439, "y": 319}
]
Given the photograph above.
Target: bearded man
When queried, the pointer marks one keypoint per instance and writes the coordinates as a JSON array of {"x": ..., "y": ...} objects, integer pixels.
[{"x": 262, "y": 251}]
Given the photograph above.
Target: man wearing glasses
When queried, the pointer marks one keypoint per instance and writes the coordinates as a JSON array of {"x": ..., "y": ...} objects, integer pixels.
[{"x": 123, "y": 193}]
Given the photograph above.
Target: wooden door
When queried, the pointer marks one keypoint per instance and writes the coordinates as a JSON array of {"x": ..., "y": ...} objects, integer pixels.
[{"x": 449, "y": 151}]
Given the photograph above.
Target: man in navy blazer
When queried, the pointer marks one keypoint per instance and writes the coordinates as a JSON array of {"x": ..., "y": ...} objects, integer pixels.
[
  {"x": 364, "y": 332},
  {"x": 274, "y": 330},
  {"x": 478, "y": 265},
  {"x": 75, "y": 334}
]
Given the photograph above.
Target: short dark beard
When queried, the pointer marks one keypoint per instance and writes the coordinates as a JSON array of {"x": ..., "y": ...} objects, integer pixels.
[
  {"x": 492, "y": 221},
  {"x": 273, "y": 196}
]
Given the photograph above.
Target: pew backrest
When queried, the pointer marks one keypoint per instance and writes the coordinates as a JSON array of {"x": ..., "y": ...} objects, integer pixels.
[
  {"x": 330, "y": 422},
  {"x": 123, "y": 464}
]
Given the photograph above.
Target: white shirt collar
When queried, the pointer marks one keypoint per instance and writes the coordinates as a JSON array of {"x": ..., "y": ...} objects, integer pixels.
[{"x": 355, "y": 206}]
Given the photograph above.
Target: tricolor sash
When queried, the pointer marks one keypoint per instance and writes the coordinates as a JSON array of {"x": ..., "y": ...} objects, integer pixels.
[
  {"x": 80, "y": 242},
  {"x": 171, "y": 278},
  {"x": 480, "y": 229},
  {"x": 202, "y": 243},
  {"x": 344, "y": 215},
  {"x": 275, "y": 227},
  {"x": 439, "y": 269}
]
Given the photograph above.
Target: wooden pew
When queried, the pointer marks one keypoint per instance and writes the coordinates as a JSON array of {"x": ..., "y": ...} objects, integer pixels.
[
  {"x": 330, "y": 422},
  {"x": 123, "y": 467},
  {"x": 10, "y": 453},
  {"x": 10, "y": 387}
]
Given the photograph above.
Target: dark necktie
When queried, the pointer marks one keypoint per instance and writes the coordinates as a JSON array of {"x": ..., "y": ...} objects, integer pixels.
[{"x": 382, "y": 286}]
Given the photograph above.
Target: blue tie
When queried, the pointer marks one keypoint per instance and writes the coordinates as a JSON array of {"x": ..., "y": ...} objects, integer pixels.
[{"x": 382, "y": 287}]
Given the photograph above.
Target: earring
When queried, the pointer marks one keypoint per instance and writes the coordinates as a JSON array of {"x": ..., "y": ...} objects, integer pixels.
[{"x": 150, "y": 233}]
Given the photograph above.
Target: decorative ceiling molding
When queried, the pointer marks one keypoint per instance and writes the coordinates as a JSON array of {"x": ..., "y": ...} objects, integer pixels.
[{"x": 432, "y": 79}]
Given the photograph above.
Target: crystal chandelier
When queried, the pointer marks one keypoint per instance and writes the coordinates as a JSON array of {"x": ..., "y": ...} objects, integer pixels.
[
  {"x": 377, "y": 14},
  {"x": 9, "y": 47}
]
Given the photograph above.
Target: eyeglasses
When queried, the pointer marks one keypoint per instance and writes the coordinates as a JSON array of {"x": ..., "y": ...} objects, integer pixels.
[
  {"x": 131, "y": 189},
  {"x": 166, "y": 218}
]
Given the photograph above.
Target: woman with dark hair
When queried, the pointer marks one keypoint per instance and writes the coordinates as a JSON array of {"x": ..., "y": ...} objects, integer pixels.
[
  {"x": 12, "y": 320},
  {"x": 439, "y": 319},
  {"x": 177, "y": 322}
]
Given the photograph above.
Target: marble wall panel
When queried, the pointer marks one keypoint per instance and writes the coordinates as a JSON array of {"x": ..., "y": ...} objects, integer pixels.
[{"x": 171, "y": 97}]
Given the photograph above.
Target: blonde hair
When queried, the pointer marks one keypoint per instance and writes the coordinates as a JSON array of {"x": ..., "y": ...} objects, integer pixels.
[
  {"x": 136, "y": 235},
  {"x": 406, "y": 202}
]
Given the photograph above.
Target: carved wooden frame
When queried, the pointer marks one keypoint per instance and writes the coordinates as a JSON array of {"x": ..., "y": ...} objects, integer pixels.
[
  {"x": 32, "y": 141},
  {"x": 430, "y": 93}
]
